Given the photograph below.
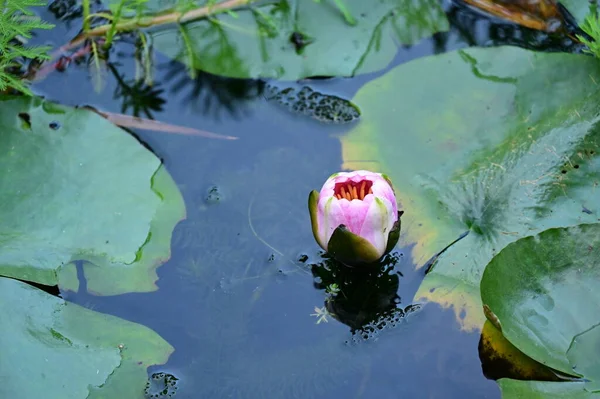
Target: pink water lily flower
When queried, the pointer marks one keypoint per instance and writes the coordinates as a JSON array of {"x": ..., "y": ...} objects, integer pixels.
[{"x": 355, "y": 217}]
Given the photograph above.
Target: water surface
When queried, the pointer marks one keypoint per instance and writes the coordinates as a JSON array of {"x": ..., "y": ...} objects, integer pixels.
[{"x": 236, "y": 297}]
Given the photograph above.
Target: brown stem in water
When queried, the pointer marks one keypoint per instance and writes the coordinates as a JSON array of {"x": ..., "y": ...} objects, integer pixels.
[{"x": 170, "y": 18}]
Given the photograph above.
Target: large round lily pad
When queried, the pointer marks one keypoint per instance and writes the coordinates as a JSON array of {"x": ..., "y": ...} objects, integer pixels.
[
  {"x": 501, "y": 143},
  {"x": 295, "y": 39},
  {"x": 545, "y": 292},
  {"x": 75, "y": 187},
  {"x": 54, "y": 349}
]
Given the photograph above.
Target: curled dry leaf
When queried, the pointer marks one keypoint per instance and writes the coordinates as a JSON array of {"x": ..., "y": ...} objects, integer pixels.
[{"x": 541, "y": 15}]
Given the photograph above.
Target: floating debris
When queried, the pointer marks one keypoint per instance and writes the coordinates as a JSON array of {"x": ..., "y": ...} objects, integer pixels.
[{"x": 213, "y": 195}]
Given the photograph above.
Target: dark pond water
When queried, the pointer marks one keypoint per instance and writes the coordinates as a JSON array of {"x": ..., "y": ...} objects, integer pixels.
[{"x": 236, "y": 298}]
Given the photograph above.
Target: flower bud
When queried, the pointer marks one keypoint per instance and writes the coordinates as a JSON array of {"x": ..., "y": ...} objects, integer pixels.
[{"x": 355, "y": 217}]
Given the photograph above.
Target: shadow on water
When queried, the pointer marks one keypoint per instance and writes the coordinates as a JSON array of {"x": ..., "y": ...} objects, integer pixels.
[{"x": 246, "y": 298}]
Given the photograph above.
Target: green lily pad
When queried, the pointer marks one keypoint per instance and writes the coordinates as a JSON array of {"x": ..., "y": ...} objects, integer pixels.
[
  {"x": 545, "y": 292},
  {"x": 584, "y": 344},
  {"x": 501, "y": 143},
  {"x": 516, "y": 389},
  {"x": 75, "y": 187},
  {"x": 55, "y": 349},
  {"x": 141, "y": 275},
  {"x": 259, "y": 42}
]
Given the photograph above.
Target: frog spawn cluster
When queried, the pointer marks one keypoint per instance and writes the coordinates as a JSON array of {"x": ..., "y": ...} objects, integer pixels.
[
  {"x": 322, "y": 107},
  {"x": 161, "y": 386}
]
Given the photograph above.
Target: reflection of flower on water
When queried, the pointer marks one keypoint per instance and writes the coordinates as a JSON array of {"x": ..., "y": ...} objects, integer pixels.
[{"x": 365, "y": 299}]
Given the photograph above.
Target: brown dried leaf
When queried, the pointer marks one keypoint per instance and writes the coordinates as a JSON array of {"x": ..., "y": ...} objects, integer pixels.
[
  {"x": 541, "y": 15},
  {"x": 157, "y": 126}
]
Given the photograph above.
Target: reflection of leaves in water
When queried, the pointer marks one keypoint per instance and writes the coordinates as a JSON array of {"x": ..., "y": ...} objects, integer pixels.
[
  {"x": 384, "y": 321},
  {"x": 65, "y": 10},
  {"x": 229, "y": 93},
  {"x": 322, "y": 107},
  {"x": 364, "y": 293},
  {"x": 211, "y": 93},
  {"x": 364, "y": 299},
  {"x": 137, "y": 95}
]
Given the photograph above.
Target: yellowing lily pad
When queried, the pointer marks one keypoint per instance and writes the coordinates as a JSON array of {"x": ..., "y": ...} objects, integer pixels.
[
  {"x": 499, "y": 143},
  {"x": 75, "y": 187},
  {"x": 501, "y": 358}
]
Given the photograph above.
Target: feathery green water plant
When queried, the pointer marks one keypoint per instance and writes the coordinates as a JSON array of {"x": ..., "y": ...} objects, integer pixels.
[
  {"x": 17, "y": 22},
  {"x": 591, "y": 26}
]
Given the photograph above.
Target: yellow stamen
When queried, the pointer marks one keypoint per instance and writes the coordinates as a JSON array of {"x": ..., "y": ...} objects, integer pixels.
[
  {"x": 362, "y": 190},
  {"x": 343, "y": 192},
  {"x": 354, "y": 194},
  {"x": 348, "y": 197}
]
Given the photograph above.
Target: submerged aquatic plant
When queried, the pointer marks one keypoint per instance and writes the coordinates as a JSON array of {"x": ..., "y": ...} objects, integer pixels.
[{"x": 355, "y": 217}]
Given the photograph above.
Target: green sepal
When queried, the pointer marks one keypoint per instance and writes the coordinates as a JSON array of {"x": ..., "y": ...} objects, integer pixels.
[
  {"x": 351, "y": 249},
  {"x": 386, "y": 177},
  {"x": 313, "y": 202},
  {"x": 394, "y": 234}
]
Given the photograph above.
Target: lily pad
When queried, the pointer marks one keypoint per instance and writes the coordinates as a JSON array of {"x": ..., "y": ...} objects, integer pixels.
[
  {"x": 140, "y": 276},
  {"x": 500, "y": 358},
  {"x": 290, "y": 40},
  {"x": 545, "y": 291},
  {"x": 75, "y": 187},
  {"x": 499, "y": 143},
  {"x": 579, "y": 9},
  {"x": 55, "y": 349},
  {"x": 516, "y": 389},
  {"x": 579, "y": 355}
]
